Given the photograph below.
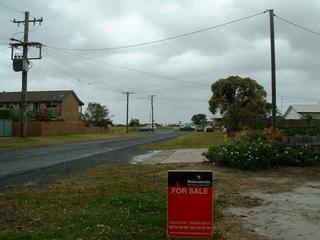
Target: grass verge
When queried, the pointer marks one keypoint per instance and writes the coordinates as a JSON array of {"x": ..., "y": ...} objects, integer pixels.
[
  {"x": 106, "y": 202},
  {"x": 129, "y": 202},
  {"x": 188, "y": 140},
  {"x": 17, "y": 142}
]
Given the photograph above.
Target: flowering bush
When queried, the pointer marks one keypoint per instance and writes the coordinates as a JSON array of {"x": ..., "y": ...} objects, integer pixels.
[{"x": 259, "y": 154}]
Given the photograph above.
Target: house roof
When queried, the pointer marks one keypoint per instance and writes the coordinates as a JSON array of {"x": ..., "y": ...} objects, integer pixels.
[
  {"x": 38, "y": 96},
  {"x": 303, "y": 109},
  {"x": 306, "y": 108}
]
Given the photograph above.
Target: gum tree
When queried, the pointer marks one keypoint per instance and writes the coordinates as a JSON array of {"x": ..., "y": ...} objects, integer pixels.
[{"x": 241, "y": 102}]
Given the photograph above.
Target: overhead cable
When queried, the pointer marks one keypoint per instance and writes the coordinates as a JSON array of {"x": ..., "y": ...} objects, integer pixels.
[
  {"x": 139, "y": 71},
  {"x": 298, "y": 26},
  {"x": 159, "y": 40}
]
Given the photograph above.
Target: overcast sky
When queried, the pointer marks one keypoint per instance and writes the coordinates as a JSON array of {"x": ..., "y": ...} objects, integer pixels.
[{"x": 241, "y": 48}]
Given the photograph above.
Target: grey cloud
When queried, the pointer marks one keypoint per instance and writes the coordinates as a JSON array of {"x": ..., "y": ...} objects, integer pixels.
[{"x": 241, "y": 48}]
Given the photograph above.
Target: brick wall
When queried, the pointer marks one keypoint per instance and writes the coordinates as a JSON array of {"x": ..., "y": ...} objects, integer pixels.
[
  {"x": 70, "y": 109},
  {"x": 36, "y": 128}
]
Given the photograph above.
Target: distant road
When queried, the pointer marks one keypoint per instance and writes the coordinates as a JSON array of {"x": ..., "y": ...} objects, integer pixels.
[{"x": 19, "y": 162}]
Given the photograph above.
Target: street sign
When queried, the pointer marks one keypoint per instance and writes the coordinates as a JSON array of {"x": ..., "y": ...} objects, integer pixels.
[{"x": 190, "y": 204}]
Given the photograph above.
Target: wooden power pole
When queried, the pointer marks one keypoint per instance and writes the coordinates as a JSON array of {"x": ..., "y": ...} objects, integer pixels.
[
  {"x": 273, "y": 71},
  {"x": 127, "y": 119},
  {"x": 24, "y": 104},
  {"x": 152, "y": 116},
  {"x": 25, "y": 44}
]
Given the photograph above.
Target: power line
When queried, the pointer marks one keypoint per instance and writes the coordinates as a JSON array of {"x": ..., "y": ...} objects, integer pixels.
[
  {"x": 4, "y": 49},
  {"x": 59, "y": 69},
  {"x": 182, "y": 99},
  {"x": 10, "y": 8},
  {"x": 160, "y": 40},
  {"x": 139, "y": 71},
  {"x": 298, "y": 26},
  {"x": 160, "y": 76},
  {"x": 78, "y": 71},
  {"x": 180, "y": 106}
]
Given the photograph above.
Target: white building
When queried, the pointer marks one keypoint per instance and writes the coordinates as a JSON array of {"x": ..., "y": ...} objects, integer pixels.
[{"x": 301, "y": 111}]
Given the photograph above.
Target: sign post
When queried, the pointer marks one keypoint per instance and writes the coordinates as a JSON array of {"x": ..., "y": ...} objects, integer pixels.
[{"x": 190, "y": 204}]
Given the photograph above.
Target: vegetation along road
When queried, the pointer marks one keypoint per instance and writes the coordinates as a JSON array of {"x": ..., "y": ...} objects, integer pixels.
[{"x": 35, "y": 164}]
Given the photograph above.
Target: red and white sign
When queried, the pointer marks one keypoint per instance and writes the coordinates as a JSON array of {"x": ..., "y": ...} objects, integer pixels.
[{"x": 190, "y": 204}]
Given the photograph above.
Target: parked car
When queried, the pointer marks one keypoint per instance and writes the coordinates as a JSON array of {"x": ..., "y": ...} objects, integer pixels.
[
  {"x": 147, "y": 128},
  {"x": 198, "y": 128},
  {"x": 208, "y": 129},
  {"x": 186, "y": 127}
]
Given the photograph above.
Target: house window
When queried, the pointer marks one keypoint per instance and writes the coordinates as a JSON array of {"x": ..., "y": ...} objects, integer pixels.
[{"x": 52, "y": 105}]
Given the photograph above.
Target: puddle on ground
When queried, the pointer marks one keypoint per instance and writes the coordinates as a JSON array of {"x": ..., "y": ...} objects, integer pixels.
[
  {"x": 143, "y": 157},
  {"x": 286, "y": 215},
  {"x": 277, "y": 180}
]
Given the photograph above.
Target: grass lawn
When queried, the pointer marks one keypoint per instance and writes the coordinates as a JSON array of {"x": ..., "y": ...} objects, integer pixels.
[
  {"x": 17, "y": 142},
  {"x": 127, "y": 202},
  {"x": 189, "y": 140},
  {"x": 106, "y": 202}
]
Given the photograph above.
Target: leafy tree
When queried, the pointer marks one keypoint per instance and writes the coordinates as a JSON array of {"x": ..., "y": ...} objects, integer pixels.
[
  {"x": 199, "y": 119},
  {"x": 241, "y": 101},
  {"x": 134, "y": 122},
  {"x": 97, "y": 115}
]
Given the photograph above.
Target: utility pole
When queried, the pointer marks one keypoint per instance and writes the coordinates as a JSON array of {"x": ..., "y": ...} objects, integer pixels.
[
  {"x": 273, "y": 71},
  {"x": 127, "y": 122},
  {"x": 152, "y": 120},
  {"x": 25, "y": 44}
]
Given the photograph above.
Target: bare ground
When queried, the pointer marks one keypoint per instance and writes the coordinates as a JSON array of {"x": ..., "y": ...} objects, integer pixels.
[{"x": 279, "y": 204}]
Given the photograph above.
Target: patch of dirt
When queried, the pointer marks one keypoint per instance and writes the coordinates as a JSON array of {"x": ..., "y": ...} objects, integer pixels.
[
  {"x": 275, "y": 204},
  {"x": 287, "y": 215}
]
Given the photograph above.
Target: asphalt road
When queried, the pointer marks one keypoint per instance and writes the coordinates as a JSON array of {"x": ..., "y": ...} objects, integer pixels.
[{"x": 41, "y": 164}]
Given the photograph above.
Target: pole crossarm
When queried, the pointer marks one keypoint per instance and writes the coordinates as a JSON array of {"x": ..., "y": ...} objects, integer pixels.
[{"x": 34, "y": 21}]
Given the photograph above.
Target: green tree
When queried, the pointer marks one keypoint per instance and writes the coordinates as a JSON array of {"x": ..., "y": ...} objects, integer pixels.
[
  {"x": 134, "y": 122},
  {"x": 199, "y": 119},
  {"x": 97, "y": 115},
  {"x": 241, "y": 102}
]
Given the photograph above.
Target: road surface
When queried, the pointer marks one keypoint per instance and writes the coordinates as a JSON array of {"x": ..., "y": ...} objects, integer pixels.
[{"x": 36, "y": 164}]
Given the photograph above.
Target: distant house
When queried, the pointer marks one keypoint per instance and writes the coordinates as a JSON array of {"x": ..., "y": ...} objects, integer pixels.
[
  {"x": 296, "y": 112},
  {"x": 217, "y": 120},
  {"x": 56, "y": 104}
]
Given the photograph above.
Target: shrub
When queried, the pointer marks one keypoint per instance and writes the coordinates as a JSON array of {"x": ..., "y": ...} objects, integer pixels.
[
  {"x": 278, "y": 134},
  {"x": 312, "y": 129},
  {"x": 259, "y": 154},
  {"x": 6, "y": 114}
]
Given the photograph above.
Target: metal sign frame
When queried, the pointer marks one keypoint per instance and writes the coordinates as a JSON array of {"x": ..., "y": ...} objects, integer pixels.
[{"x": 32, "y": 44}]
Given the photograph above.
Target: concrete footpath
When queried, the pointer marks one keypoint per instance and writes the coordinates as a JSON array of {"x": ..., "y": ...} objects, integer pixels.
[{"x": 170, "y": 156}]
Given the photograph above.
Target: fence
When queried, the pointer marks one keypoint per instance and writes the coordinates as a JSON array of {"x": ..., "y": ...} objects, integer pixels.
[
  {"x": 6, "y": 128},
  {"x": 37, "y": 128},
  {"x": 312, "y": 141}
]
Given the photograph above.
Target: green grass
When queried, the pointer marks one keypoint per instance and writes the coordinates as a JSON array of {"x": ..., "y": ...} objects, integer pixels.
[
  {"x": 17, "y": 142},
  {"x": 106, "y": 202},
  {"x": 189, "y": 140}
]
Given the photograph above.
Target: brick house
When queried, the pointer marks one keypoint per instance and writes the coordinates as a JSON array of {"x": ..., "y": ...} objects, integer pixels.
[{"x": 55, "y": 104}]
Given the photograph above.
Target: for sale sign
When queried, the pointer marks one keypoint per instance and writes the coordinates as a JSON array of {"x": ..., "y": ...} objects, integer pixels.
[{"x": 190, "y": 202}]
